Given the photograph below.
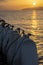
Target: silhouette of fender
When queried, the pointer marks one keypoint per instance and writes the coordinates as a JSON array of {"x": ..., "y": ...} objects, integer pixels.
[
  {"x": 17, "y": 50},
  {"x": 23, "y": 52},
  {"x": 27, "y": 52}
]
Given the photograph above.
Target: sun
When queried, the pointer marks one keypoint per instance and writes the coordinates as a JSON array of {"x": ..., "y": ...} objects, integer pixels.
[{"x": 34, "y": 3}]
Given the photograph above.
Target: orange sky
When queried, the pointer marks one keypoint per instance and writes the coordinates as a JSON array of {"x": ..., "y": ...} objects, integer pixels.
[{"x": 19, "y": 4}]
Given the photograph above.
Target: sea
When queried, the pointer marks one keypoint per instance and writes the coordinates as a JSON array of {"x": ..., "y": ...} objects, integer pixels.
[{"x": 31, "y": 21}]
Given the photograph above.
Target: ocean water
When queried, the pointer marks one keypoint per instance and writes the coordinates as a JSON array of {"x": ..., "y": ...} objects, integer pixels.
[{"x": 31, "y": 21}]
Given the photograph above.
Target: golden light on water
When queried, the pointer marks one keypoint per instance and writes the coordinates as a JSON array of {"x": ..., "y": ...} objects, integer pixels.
[{"x": 34, "y": 22}]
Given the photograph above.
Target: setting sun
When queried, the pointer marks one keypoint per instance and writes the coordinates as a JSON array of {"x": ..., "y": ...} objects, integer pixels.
[
  {"x": 19, "y": 4},
  {"x": 34, "y": 3}
]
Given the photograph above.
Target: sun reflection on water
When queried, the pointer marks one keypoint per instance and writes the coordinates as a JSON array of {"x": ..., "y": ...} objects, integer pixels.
[
  {"x": 37, "y": 33},
  {"x": 34, "y": 22}
]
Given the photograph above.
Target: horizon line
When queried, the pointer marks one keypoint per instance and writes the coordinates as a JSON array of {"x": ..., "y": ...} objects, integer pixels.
[{"x": 27, "y": 8}]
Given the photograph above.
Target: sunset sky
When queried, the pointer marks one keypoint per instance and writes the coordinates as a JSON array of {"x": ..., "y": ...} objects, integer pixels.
[{"x": 19, "y": 4}]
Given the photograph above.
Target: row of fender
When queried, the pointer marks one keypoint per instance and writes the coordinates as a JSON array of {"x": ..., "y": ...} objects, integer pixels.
[{"x": 16, "y": 49}]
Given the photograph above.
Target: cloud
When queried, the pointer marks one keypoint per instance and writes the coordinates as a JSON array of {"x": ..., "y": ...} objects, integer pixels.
[{"x": 3, "y": 0}]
